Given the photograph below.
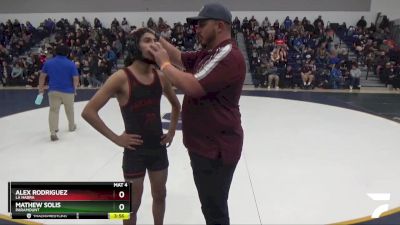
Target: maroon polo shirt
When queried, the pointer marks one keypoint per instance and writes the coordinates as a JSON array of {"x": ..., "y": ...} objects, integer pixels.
[{"x": 211, "y": 124}]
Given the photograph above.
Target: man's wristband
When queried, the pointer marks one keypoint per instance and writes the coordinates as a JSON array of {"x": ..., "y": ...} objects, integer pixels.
[{"x": 162, "y": 67}]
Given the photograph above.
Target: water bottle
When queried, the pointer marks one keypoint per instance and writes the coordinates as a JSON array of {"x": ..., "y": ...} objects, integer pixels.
[{"x": 39, "y": 99}]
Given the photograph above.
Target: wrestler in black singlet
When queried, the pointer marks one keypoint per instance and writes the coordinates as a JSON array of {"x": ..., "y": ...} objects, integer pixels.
[{"x": 141, "y": 116}]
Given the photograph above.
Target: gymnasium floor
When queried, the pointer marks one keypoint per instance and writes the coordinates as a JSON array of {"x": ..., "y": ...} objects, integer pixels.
[{"x": 308, "y": 157}]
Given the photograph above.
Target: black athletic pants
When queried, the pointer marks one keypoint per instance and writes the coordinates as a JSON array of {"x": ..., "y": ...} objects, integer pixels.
[{"x": 213, "y": 180}]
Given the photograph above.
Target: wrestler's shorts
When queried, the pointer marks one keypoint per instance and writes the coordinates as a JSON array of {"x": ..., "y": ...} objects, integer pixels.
[{"x": 135, "y": 162}]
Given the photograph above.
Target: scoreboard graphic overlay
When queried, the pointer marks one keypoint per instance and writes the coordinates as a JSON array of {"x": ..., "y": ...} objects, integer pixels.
[{"x": 69, "y": 200}]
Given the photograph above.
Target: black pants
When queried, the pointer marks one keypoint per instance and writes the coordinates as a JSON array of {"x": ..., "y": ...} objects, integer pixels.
[
  {"x": 213, "y": 181},
  {"x": 396, "y": 82}
]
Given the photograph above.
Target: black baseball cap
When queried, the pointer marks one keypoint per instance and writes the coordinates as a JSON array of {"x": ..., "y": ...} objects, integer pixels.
[{"x": 214, "y": 11}]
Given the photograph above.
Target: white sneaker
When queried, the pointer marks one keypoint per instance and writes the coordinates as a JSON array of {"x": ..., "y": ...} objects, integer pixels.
[
  {"x": 268, "y": 87},
  {"x": 351, "y": 87},
  {"x": 276, "y": 88}
]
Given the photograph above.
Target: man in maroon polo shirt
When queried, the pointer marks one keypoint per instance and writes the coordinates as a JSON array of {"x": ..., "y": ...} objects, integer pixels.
[{"x": 212, "y": 83}]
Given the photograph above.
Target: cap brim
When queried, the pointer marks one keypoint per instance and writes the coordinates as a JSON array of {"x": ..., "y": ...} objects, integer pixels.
[{"x": 191, "y": 20}]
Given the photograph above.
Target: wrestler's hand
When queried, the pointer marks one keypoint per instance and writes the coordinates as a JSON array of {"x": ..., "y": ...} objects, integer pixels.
[
  {"x": 166, "y": 139},
  {"x": 159, "y": 53},
  {"x": 129, "y": 141}
]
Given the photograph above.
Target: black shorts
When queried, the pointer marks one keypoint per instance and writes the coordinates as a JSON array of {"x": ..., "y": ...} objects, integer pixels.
[{"x": 135, "y": 162}]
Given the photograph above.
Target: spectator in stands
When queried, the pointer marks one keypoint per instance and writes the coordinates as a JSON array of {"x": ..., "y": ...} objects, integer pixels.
[
  {"x": 33, "y": 79},
  {"x": 287, "y": 23},
  {"x": 125, "y": 25},
  {"x": 114, "y": 23},
  {"x": 355, "y": 74},
  {"x": 307, "y": 75},
  {"x": 84, "y": 76},
  {"x": 345, "y": 68},
  {"x": 5, "y": 73},
  {"x": 118, "y": 48},
  {"x": 387, "y": 74},
  {"x": 343, "y": 53},
  {"x": 103, "y": 71},
  {"x": 17, "y": 72},
  {"x": 84, "y": 23},
  {"x": 384, "y": 25},
  {"x": 151, "y": 24},
  {"x": 288, "y": 77},
  {"x": 97, "y": 23},
  {"x": 256, "y": 69},
  {"x": 334, "y": 59},
  {"x": 77, "y": 24},
  {"x": 296, "y": 21},
  {"x": 319, "y": 23},
  {"x": 166, "y": 32},
  {"x": 276, "y": 25},
  {"x": 283, "y": 54},
  {"x": 322, "y": 77},
  {"x": 275, "y": 56},
  {"x": 236, "y": 26},
  {"x": 336, "y": 76},
  {"x": 362, "y": 24},
  {"x": 94, "y": 77},
  {"x": 30, "y": 28},
  {"x": 4, "y": 56},
  {"x": 308, "y": 53},
  {"x": 253, "y": 22},
  {"x": 245, "y": 25},
  {"x": 265, "y": 23},
  {"x": 304, "y": 21},
  {"x": 321, "y": 56},
  {"x": 161, "y": 22},
  {"x": 298, "y": 44},
  {"x": 273, "y": 77},
  {"x": 396, "y": 78},
  {"x": 380, "y": 61},
  {"x": 372, "y": 28},
  {"x": 259, "y": 42},
  {"x": 110, "y": 57}
]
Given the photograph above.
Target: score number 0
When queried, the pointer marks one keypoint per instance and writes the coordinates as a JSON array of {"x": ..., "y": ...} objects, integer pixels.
[{"x": 121, "y": 194}]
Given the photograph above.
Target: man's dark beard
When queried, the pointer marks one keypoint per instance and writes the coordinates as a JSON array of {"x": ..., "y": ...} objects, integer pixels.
[{"x": 208, "y": 41}]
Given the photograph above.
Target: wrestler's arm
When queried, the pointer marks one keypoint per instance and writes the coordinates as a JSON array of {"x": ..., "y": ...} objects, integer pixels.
[
  {"x": 169, "y": 93},
  {"x": 90, "y": 113}
]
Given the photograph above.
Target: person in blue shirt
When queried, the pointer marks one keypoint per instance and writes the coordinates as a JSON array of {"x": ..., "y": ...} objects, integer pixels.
[
  {"x": 110, "y": 57},
  {"x": 336, "y": 76},
  {"x": 63, "y": 81},
  {"x": 288, "y": 23},
  {"x": 298, "y": 44}
]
